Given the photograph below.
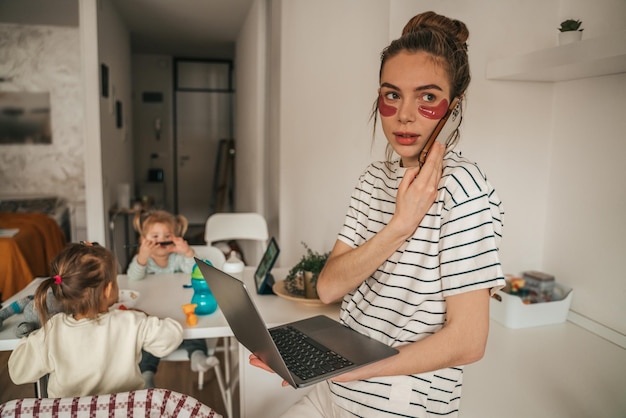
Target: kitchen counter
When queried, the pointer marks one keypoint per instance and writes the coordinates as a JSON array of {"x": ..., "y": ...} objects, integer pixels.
[{"x": 552, "y": 371}]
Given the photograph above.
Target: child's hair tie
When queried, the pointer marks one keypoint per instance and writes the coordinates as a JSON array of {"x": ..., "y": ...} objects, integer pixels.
[{"x": 57, "y": 279}]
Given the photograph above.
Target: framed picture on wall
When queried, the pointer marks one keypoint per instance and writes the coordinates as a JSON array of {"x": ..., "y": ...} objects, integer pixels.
[
  {"x": 25, "y": 118},
  {"x": 104, "y": 80},
  {"x": 118, "y": 114}
]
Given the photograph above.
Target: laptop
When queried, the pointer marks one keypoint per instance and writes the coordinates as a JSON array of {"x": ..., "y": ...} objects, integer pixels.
[
  {"x": 263, "y": 278},
  {"x": 335, "y": 348}
]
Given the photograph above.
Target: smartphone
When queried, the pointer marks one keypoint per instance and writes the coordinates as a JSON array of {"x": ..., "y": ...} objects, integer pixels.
[
  {"x": 162, "y": 244},
  {"x": 446, "y": 127}
]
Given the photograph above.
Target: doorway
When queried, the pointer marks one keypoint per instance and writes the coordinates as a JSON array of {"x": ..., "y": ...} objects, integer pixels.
[{"x": 203, "y": 108}]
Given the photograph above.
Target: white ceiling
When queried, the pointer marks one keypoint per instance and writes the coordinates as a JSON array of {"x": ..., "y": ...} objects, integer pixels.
[
  {"x": 39, "y": 12},
  {"x": 191, "y": 28}
]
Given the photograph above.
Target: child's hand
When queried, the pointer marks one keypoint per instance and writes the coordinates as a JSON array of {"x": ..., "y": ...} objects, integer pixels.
[
  {"x": 146, "y": 248},
  {"x": 257, "y": 362},
  {"x": 182, "y": 247}
]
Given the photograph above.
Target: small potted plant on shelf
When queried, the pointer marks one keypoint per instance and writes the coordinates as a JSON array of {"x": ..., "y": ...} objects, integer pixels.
[
  {"x": 302, "y": 278},
  {"x": 570, "y": 31}
]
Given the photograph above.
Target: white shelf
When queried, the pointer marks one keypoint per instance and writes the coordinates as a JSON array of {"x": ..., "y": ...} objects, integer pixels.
[{"x": 587, "y": 58}]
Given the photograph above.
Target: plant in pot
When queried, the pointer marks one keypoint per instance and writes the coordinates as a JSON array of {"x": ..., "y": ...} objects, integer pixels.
[
  {"x": 570, "y": 31},
  {"x": 302, "y": 278}
]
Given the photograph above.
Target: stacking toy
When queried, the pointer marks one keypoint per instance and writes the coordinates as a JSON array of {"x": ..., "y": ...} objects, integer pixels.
[
  {"x": 189, "y": 311},
  {"x": 202, "y": 295}
]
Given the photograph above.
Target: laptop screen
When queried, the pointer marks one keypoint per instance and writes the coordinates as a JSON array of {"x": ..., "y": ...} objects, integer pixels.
[{"x": 266, "y": 264}]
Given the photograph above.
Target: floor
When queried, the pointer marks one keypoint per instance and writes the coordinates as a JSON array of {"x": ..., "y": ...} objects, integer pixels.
[{"x": 175, "y": 376}]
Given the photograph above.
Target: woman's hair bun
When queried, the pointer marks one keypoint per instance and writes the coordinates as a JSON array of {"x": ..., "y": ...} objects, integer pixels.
[{"x": 431, "y": 20}]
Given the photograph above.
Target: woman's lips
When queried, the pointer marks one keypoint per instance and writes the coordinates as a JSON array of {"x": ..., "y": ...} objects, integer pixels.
[{"x": 405, "y": 138}]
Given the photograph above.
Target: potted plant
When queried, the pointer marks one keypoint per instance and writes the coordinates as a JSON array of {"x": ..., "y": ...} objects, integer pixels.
[
  {"x": 570, "y": 31},
  {"x": 302, "y": 278}
]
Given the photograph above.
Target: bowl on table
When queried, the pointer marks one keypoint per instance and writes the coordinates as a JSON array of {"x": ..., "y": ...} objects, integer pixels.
[{"x": 126, "y": 299}]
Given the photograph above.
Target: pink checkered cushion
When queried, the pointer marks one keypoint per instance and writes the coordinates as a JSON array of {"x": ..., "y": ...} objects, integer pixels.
[{"x": 140, "y": 403}]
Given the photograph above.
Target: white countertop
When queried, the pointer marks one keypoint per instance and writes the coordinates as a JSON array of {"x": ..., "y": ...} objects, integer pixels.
[{"x": 552, "y": 371}]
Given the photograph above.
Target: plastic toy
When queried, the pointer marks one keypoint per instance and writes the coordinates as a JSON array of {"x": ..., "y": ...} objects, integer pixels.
[
  {"x": 189, "y": 310},
  {"x": 202, "y": 295},
  {"x": 26, "y": 306}
]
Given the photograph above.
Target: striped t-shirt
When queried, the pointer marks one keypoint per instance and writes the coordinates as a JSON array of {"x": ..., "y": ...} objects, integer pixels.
[{"x": 454, "y": 250}]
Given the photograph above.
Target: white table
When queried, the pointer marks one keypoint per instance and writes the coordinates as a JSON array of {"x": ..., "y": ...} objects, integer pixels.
[
  {"x": 163, "y": 295},
  {"x": 8, "y": 340}
]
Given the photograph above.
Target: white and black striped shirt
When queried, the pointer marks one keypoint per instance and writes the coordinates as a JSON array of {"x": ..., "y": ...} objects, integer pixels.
[{"x": 454, "y": 250}]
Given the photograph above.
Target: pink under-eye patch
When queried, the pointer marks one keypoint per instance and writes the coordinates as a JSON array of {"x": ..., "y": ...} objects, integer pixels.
[
  {"x": 385, "y": 109},
  {"x": 434, "y": 112}
]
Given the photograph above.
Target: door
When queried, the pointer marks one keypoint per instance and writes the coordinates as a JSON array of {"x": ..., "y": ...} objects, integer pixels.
[{"x": 203, "y": 118}]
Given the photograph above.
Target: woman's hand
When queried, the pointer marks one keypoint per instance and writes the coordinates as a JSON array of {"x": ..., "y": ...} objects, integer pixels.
[
  {"x": 257, "y": 362},
  {"x": 347, "y": 267},
  {"x": 418, "y": 190}
]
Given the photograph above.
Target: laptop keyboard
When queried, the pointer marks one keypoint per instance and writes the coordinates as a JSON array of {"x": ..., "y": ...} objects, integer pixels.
[{"x": 303, "y": 356}]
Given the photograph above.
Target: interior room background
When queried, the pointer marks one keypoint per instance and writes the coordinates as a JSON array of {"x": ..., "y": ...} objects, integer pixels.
[{"x": 306, "y": 78}]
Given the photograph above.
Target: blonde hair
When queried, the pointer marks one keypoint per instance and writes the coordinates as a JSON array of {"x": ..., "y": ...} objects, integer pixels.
[{"x": 144, "y": 220}]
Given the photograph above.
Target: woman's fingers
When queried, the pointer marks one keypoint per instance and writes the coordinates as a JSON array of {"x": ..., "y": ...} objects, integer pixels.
[
  {"x": 434, "y": 162},
  {"x": 257, "y": 362},
  {"x": 418, "y": 189}
]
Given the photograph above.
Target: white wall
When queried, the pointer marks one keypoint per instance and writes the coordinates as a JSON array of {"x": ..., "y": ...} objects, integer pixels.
[
  {"x": 108, "y": 149},
  {"x": 250, "y": 122},
  {"x": 88, "y": 26},
  {"x": 585, "y": 230},
  {"x": 585, "y": 233},
  {"x": 45, "y": 59},
  {"x": 329, "y": 57},
  {"x": 518, "y": 132},
  {"x": 116, "y": 143},
  {"x": 252, "y": 144}
]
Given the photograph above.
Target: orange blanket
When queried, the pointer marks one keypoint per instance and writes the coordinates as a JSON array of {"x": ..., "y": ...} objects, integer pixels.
[{"x": 28, "y": 253}]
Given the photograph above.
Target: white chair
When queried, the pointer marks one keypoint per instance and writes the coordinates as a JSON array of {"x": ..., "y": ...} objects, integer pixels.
[
  {"x": 217, "y": 259},
  {"x": 211, "y": 253},
  {"x": 248, "y": 226}
]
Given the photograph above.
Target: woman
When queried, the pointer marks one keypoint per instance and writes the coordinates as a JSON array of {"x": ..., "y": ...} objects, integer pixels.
[{"x": 417, "y": 256}]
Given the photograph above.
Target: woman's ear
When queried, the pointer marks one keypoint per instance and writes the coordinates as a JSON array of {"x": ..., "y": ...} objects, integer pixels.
[{"x": 108, "y": 289}]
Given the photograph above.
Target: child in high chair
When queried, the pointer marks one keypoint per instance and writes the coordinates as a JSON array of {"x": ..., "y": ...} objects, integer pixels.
[
  {"x": 87, "y": 349},
  {"x": 162, "y": 249}
]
